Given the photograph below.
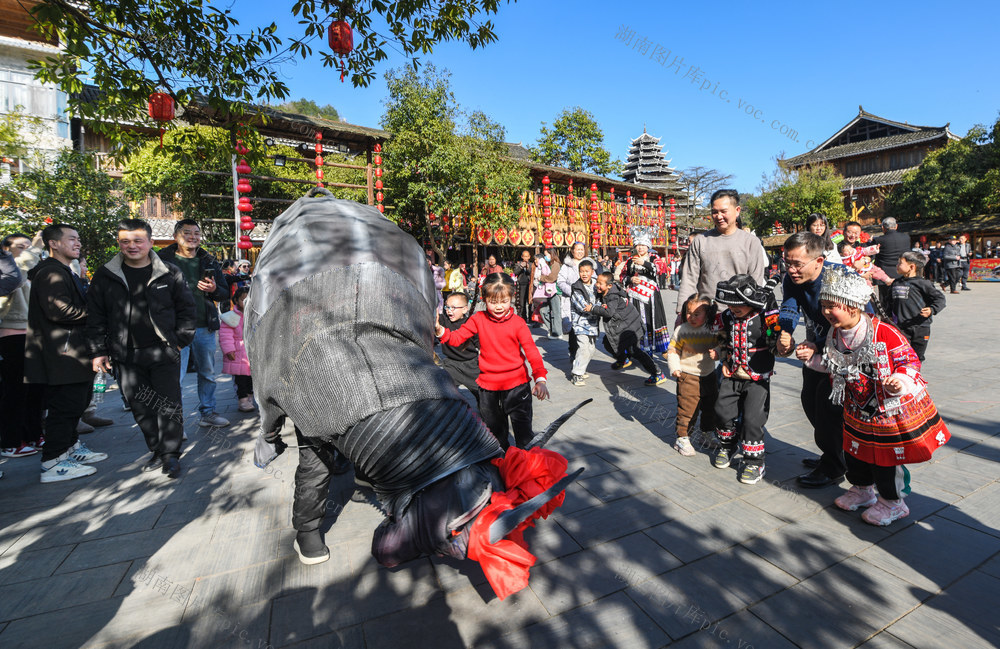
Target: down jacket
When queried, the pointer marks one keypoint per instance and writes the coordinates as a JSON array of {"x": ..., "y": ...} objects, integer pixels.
[
  {"x": 55, "y": 351},
  {"x": 231, "y": 340}
]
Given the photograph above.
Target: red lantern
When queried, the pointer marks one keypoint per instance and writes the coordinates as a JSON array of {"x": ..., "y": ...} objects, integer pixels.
[
  {"x": 247, "y": 225},
  {"x": 244, "y": 245},
  {"x": 381, "y": 209},
  {"x": 378, "y": 184},
  {"x": 243, "y": 167},
  {"x": 378, "y": 197},
  {"x": 378, "y": 173},
  {"x": 319, "y": 161},
  {"x": 378, "y": 160},
  {"x": 246, "y": 208},
  {"x": 243, "y": 186},
  {"x": 161, "y": 109},
  {"x": 341, "y": 40}
]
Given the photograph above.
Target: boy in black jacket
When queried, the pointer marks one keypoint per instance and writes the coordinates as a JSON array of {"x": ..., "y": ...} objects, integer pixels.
[
  {"x": 747, "y": 366},
  {"x": 141, "y": 313},
  {"x": 461, "y": 362},
  {"x": 913, "y": 300},
  {"x": 623, "y": 328}
]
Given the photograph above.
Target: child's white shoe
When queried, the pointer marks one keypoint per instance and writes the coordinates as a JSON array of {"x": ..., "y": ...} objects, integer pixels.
[
  {"x": 246, "y": 405},
  {"x": 856, "y": 497},
  {"x": 684, "y": 447},
  {"x": 884, "y": 512}
]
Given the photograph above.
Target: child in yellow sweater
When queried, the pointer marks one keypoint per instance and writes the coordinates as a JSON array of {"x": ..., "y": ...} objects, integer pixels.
[{"x": 690, "y": 362}]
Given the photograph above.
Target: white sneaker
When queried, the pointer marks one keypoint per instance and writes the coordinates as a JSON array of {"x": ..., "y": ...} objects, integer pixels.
[
  {"x": 66, "y": 470},
  {"x": 213, "y": 419},
  {"x": 683, "y": 446},
  {"x": 80, "y": 453}
]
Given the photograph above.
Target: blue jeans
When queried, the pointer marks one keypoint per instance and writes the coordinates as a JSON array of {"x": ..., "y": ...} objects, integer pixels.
[{"x": 204, "y": 345}]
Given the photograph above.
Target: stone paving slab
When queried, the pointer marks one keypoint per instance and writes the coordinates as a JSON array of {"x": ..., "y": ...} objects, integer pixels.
[{"x": 651, "y": 549}]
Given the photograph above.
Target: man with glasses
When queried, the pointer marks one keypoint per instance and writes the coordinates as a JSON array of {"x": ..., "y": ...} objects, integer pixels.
[
  {"x": 141, "y": 313},
  {"x": 208, "y": 285},
  {"x": 805, "y": 263}
]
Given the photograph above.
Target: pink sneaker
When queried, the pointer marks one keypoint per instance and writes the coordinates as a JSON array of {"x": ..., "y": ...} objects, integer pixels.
[
  {"x": 856, "y": 497},
  {"x": 885, "y": 511}
]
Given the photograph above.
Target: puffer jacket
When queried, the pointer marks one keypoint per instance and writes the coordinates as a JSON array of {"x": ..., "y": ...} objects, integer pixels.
[
  {"x": 584, "y": 323},
  {"x": 14, "y": 307},
  {"x": 620, "y": 316},
  {"x": 231, "y": 340},
  {"x": 55, "y": 351}
]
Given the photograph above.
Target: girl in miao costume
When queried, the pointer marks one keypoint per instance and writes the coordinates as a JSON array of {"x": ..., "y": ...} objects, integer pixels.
[
  {"x": 889, "y": 419},
  {"x": 639, "y": 278}
]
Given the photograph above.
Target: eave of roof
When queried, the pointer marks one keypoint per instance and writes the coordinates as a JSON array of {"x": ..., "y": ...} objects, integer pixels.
[
  {"x": 868, "y": 146},
  {"x": 878, "y": 179}
]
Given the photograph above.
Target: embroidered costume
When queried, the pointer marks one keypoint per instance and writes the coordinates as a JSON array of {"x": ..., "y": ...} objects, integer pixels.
[
  {"x": 881, "y": 428},
  {"x": 646, "y": 299},
  {"x": 748, "y": 354}
]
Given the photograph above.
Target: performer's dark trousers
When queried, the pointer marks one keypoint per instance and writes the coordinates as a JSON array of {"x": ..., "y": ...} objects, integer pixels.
[
  {"x": 628, "y": 347},
  {"x": 495, "y": 406},
  {"x": 827, "y": 421},
  {"x": 696, "y": 394},
  {"x": 150, "y": 378},
  {"x": 66, "y": 404},
  {"x": 919, "y": 337},
  {"x": 524, "y": 300},
  {"x": 954, "y": 277},
  {"x": 574, "y": 345},
  {"x": 463, "y": 373},
  {"x": 312, "y": 482},
  {"x": 22, "y": 405},
  {"x": 889, "y": 480},
  {"x": 244, "y": 385},
  {"x": 752, "y": 400}
]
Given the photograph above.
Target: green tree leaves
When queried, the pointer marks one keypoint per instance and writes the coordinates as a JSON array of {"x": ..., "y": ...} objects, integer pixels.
[
  {"x": 72, "y": 191},
  {"x": 441, "y": 161},
  {"x": 575, "y": 142},
  {"x": 959, "y": 180},
  {"x": 790, "y": 196}
]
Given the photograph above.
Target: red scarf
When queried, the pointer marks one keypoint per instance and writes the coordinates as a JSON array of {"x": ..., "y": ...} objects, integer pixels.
[{"x": 526, "y": 474}]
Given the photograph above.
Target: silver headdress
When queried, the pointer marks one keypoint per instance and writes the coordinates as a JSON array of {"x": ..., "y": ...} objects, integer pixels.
[
  {"x": 641, "y": 236},
  {"x": 845, "y": 287}
]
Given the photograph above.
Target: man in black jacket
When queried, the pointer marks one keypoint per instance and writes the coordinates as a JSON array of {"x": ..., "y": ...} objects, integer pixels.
[
  {"x": 208, "y": 285},
  {"x": 141, "y": 314},
  {"x": 892, "y": 244},
  {"x": 55, "y": 355}
]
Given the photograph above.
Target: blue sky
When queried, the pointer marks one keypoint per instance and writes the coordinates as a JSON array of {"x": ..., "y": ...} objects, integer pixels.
[{"x": 771, "y": 70}]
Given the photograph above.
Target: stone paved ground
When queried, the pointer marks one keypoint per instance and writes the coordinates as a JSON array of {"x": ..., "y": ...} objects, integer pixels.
[{"x": 651, "y": 549}]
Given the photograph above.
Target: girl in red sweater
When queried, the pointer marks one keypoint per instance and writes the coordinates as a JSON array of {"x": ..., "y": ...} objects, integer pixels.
[{"x": 504, "y": 344}]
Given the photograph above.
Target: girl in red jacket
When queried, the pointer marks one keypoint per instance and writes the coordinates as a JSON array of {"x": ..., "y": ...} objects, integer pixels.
[{"x": 504, "y": 344}]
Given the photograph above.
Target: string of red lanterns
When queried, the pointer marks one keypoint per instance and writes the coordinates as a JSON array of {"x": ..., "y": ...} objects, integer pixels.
[
  {"x": 243, "y": 205},
  {"x": 377, "y": 160},
  {"x": 319, "y": 159},
  {"x": 673, "y": 226},
  {"x": 546, "y": 213},
  {"x": 595, "y": 221}
]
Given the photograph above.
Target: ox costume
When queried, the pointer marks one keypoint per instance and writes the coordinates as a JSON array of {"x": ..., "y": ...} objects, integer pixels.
[{"x": 340, "y": 331}]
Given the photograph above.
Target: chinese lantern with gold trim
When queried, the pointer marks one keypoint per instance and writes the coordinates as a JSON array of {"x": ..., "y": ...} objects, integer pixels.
[{"x": 341, "y": 40}]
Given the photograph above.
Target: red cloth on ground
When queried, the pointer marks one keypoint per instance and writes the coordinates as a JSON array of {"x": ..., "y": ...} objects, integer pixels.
[
  {"x": 526, "y": 474},
  {"x": 503, "y": 346}
]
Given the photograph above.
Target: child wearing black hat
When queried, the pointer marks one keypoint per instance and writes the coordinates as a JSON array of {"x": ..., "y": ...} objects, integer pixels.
[{"x": 749, "y": 338}]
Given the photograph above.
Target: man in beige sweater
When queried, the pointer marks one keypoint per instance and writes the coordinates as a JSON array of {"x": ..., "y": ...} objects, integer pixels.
[{"x": 721, "y": 253}]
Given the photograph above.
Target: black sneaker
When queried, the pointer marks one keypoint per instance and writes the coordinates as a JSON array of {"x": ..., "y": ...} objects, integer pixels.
[
  {"x": 172, "y": 468},
  {"x": 721, "y": 458},
  {"x": 153, "y": 464},
  {"x": 621, "y": 366},
  {"x": 310, "y": 548},
  {"x": 751, "y": 473}
]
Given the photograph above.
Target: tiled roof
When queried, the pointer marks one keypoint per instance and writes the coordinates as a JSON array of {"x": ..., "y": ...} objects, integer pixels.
[
  {"x": 879, "y": 179},
  {"x": 867, "y": 146}
]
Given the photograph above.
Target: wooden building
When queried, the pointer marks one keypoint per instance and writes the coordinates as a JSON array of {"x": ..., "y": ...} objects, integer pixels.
[{"x": 872, "y": 153}]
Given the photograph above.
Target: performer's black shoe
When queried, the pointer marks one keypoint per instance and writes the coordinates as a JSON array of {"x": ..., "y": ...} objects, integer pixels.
[
  {"x": 153, "y": 464},
  {"x": 810, "y": 462},
  {"x": 816, "y": 479},
  {"x": 310, "y": 548},
  {"x": 172, "y": 468}
]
